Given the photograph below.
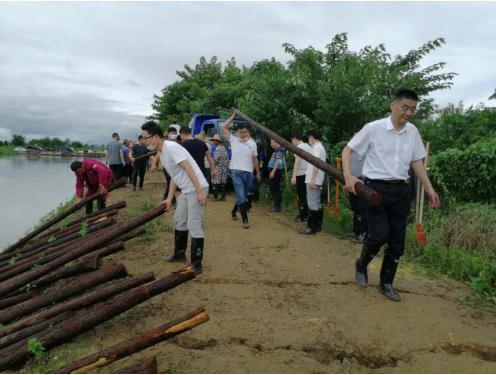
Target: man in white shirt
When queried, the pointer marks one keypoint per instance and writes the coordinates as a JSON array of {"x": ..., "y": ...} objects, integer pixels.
[
  {"x": 314, "y": 179},
  {"x": 389, "y": 146},
  {"x": 187, "y": 176},
  {"x": 243, "y": 161},
  {"x": 298, "y": 178}
]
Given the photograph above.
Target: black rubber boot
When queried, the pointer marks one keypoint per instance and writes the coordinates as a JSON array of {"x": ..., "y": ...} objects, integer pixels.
[
  {"x": 318, "y": 222},
  {"x": 222, "y": 190},
  {"x": 361, "y": 264},
  {"x": 388, "y": 272},
  {"x": 215, "y": 190},
  {"x": 311, "y": 223},
  {"x": 180, "y": 246},
  {"x": 197, "y": 254},
  {"x": 248, "y": 203},
  {"x": 233, "y": 212},
  {"x": 89, "y": 208},
  {"x": 100, "y": 204},
  {"x": 244, "y": 215}
]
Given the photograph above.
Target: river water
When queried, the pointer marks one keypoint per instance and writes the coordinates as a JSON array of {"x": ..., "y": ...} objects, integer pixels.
[{"x": 30, "y": 187}]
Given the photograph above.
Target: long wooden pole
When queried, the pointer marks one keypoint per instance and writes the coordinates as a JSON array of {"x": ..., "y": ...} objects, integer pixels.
[
  {"x": 136, "y": 344},
  {"x": 62, "y": 216},
  {"x": 147, "y": 366},
  {"x": 373, "y": 197}
]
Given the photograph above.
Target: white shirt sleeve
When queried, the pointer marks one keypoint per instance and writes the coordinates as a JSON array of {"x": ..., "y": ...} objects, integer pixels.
[
  {"x": 178, "y": 154},
  {"x": 255, "y": 153},
  {"x": 418, "y": 147},
  {"x": 360, "y": 142}
]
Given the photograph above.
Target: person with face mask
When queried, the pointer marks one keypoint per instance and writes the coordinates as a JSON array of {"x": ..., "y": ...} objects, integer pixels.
[{"x": 139, "y": 166}]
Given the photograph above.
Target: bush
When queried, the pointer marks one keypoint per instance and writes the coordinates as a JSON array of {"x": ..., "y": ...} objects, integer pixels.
[{"x": 467, "y": 175}]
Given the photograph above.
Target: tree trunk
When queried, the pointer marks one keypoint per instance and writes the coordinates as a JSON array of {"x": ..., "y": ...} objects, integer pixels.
[
  {"x": 136, "y": 344},
  {"x": 372, "y": 196},
  {"x": 79, "y": 285},
  {"x": 84, "y": 300},
  {"x": 111, "y": 210},
  {"x": 35, "y": 253},
  {"x": 30, "y": 331},
  {"x": 100, "y": 313},
  {"x": 13, "y": 300},
  {"x": 147, "y": 366},
  {"x": 19, "y": 281},
  {"x": 61, "y": 216}
]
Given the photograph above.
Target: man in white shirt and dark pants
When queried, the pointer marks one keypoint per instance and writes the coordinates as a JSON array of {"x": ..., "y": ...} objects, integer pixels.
[
  {"x": 187, "y": 176},
  {"x": 314, "y": 179},
  {"x": 389, "y": 147},
  {"x": 243, "y": 161},
  {"x": 298, "y": 178}
]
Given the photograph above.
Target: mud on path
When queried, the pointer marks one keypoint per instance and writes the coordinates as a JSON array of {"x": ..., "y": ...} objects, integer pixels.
[{"x": 286, "y": 303}]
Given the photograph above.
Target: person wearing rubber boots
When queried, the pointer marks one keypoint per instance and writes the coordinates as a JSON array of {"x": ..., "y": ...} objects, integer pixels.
[
  {"x": 389, "y": 147},
  {"x": 187, "y": 176},
  {"x": 314, "y": 179}
]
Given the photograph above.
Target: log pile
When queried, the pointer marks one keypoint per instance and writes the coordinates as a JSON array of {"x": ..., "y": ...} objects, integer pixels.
[{"x": 36, "y": 304}]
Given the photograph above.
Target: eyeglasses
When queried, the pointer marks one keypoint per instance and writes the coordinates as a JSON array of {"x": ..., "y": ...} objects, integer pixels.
[
  {"x": 151, "y": 136},
  {"x": 405, "y": 108}
]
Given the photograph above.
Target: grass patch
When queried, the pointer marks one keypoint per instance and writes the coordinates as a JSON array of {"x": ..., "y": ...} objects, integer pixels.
[{"x": 8, "y": 151}]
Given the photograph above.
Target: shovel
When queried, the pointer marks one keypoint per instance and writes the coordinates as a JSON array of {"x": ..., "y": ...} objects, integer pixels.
[{"x": 420, "y": 236}]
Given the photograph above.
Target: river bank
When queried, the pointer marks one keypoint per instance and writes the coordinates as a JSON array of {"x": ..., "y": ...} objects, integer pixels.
[{"x": 282, "y": 302}]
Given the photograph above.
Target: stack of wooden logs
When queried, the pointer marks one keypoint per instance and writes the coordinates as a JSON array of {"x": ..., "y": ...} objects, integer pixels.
[{"x": 33, "y": 304}]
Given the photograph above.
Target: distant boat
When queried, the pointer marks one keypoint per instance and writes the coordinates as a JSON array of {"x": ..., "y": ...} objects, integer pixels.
[{"x": 20, "y": 149}]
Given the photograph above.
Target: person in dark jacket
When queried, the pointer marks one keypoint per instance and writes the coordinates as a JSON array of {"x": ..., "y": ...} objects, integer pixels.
[{"x": 139, "y": 166}]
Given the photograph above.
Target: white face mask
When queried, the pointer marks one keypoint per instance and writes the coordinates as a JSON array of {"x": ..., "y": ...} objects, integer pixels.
[
  {"x": 151, "y": 147},
  {"x": 173, "y": 137}
]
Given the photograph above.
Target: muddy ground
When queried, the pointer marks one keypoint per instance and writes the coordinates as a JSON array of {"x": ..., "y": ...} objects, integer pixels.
[{"x": 280, "y": 302}]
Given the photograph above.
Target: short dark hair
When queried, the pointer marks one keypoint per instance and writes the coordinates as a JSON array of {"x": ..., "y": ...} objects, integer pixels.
[
  {"x": 140, "y": 137},
  {"x": 297, "y": 135},
  {"x": 172, "y": 130},
  {"x": 153, "y": 128},
  {"x": 314, "y": 133},
  {"x": 75, "y": 165},
  {"x": 115, "y": 135},
  {"x": 406, "y": 94},
  {"x": 185, "y": 130},
  {"x": 241, "y": 125}
]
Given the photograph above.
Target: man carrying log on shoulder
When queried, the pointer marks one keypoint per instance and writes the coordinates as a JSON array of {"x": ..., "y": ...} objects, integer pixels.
[
  {"x": 389, "y": 147},
  {"x": 96, "y": 176},
  {"x": 187, "y": 176}
]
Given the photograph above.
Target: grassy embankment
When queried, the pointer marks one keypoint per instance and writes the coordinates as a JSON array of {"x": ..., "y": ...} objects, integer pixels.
[{"x": 7, "y": 151}]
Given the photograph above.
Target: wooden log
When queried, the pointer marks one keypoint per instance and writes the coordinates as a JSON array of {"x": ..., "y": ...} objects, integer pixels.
[
  {"x": 79, "y": 285},
  {"x": 100, "y": 313},
  {"x": 128, "y": 236},
  {"x": 19, "y": 281},
  {"x": 30, "y": 331},
  {"x": 125, "y": 348},
  {"x": 147, "y": 155},
  {"x": 18, "y": 298},
  {"x": 84, "y": 300},
  {"x": 111, "y": 210},
  {"x": 35, "y": 253},
  {"x": 372, "y": 196},
  {"x": 81, "y": 265},
  {"x": 61, "y": 216},
  {"x": 147, "y": 366}
]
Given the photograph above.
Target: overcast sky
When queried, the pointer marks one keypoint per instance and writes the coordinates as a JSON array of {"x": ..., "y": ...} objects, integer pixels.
[{"x": 84, "y": 70}]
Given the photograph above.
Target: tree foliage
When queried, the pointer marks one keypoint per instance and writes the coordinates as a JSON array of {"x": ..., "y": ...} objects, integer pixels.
[
  {"x": 18, "y": 140},
  {"x": 336, "y": 90}
]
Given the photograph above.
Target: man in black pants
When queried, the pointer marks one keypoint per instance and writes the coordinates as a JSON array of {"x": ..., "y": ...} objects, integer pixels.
[
  {"x": 139, "y": 166},
  {"x": 389, "y": 147},
  {"x": 298, "y": 178}
]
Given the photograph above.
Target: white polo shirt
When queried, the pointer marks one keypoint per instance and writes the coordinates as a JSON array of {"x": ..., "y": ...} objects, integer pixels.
[
  {"x": 172, "y": 154},
  {"x": 318, "y": 151},
  {"x": 242, "y": 153},
  {"x": 302, "y": 167},
  {"x": 387, "y": 153}
]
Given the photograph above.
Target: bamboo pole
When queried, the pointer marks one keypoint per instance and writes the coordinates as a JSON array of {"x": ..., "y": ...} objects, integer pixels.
[
  {"x": 126, "y": 348},
  {"x": 372, "y": 196},
  {"x": 61, "y": 216},
  {"x": 100, "y": 313}
]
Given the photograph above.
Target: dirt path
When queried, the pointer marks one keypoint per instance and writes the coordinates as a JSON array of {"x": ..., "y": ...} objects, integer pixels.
[{"x": 286, "y": 303}]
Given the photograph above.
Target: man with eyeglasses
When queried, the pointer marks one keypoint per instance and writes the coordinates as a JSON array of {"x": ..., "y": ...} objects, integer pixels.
[
  {"x": 187, "y": 176},
  {"x": 389, "y": 146}
]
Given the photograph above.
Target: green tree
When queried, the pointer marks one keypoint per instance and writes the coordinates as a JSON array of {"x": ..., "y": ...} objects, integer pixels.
[{"x": 18, "y": 140}]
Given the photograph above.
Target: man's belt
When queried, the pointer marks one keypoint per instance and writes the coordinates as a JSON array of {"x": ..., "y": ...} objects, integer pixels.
[{"x": 389, "y": 182}]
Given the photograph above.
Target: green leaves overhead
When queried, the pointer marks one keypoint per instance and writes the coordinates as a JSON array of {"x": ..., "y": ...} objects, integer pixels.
[{"x": 336, "y": 90}]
